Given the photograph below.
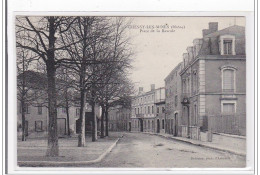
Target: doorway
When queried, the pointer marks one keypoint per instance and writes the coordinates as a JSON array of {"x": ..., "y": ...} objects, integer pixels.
[
  {"x": 158, "y": 126},
  {"x": 130, "y": 126},
  {"x": 176, "y": 124},
  {"x": 141, "y": 125},
  {"x": 61, "y": 126}
]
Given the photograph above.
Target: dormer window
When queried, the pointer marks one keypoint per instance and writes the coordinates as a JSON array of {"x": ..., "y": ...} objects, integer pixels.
[{"x": 227, "y": 45}]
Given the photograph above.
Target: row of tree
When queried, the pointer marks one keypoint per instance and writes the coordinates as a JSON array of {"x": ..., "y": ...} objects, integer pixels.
[{"x": 85, "y": 59}]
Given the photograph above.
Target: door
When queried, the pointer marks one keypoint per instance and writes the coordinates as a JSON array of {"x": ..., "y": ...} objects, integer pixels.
[
  {"x": 158, "y": 126},
  {"x": 142, "y": 125},
  {"x": 78, "y": 126},
  {"x": 26, "y": 128},
  {"x": 61, "y": 123},
  {"x": 176, "y": 124},
  {"x": 130, "y": 126}
]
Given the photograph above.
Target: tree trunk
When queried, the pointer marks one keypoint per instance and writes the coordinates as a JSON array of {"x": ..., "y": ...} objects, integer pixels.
[
  {"x": 53, "y": 147},
  {"x": 102, "y": 134},
  {"x": 68, "y": 118},
  {"x": 81, "y": 141},
  {"x": 106, "y": 115},
  {"x": 23, "y": 120},
  {"x": 94, "y": 123}
]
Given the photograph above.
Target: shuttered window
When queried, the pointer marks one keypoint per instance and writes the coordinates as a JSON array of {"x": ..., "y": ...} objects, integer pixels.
[{"x": 228, "y": 80}]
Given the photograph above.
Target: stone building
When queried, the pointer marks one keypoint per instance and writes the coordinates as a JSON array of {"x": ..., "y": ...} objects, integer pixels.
[
  {"x": 144, "y": 109},
  {"x": 36, "y": 111},
  {"x": 214, "y": 83},
  {"x": 119, "y": 119},
  {"x": 173, "y": 105}
]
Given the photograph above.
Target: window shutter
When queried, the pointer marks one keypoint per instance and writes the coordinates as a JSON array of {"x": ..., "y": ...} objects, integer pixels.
[{"x": 228, "y": 80}]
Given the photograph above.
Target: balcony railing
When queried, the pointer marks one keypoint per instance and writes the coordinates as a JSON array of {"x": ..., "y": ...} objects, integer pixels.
[
  {"x": 228, "y": 90},
  {"x": 139, "y": 115}
]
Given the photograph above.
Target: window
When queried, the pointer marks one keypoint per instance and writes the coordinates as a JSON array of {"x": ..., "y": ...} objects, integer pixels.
[
  {"x": 135, "y": 110},
  {"x": 27, "y": 109},
  {"x": 148, "y": 124},
  {"x": 145, "y": 109},
  {"x": 38, "y": 125},
  {"x": 176, "y": 100},
  {"x": 77, "y": 111},
  {"x": 227, "y": 45},
  {"x": 163, "y": 110},
  {"x": 152, "y": 110},
  {"x": 138, "y": 110},
  {"x": 63, "y": 110},
  {"x": 162, "y": 123},
  {"x": 158, "y": 109},
  {"x": 228, "y": 108},
  {"x": 195, "y": 114},
  {"x": 184, "y": 86},
  {"x": 40, "y": 110},
  {"x": 195, "y": 81},
  {"x": 148, "y": 109},
  {"x": 228, "y": 80}
]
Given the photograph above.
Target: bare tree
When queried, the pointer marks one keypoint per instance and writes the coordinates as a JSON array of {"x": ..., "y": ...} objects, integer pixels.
[
  {"x": 82, "y": 58},
  {"x": 24, "y": 94},
  {"x": 41, "y": 36}
]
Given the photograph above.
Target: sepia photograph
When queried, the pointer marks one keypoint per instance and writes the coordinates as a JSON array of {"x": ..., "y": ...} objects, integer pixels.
[{"x": 131, "y": 91}]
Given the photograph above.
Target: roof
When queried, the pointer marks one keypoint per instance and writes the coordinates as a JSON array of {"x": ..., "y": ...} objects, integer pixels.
[
  {"x": 37, "y": 80},
  {"x": 238, "y": 30},
  {"x": 210, "y": 41},
  {"x": 173, "y": 71}
]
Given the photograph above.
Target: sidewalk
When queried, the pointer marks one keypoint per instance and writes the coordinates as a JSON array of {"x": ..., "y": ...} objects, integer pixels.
[
  {"x": 32, "y": 152},
  {"x": 231, "y": 144}
]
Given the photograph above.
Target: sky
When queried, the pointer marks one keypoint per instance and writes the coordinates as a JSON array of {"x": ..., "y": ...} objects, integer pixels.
[{"x": 158, "y": 52}]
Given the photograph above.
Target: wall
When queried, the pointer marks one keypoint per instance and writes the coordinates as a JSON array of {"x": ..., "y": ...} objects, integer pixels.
[{"x": 34, "y": 116}]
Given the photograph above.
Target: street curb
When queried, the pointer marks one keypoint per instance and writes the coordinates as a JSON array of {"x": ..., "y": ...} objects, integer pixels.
[
  {"x": 198, "y": 144},
  {"x": 55, "y": 163}
]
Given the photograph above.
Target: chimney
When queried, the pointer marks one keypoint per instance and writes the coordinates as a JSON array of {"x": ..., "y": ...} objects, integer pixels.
[
  {"x": 205, "y": 32},
  {"x": 185, "y": 59},
  {"x": 197, "y": 43},
  {"x": 152, "y": 87},
  {"x": 190, "y": 53},
  {"x": 141, "y": 89},
  {"x": 213, "y": 27}
]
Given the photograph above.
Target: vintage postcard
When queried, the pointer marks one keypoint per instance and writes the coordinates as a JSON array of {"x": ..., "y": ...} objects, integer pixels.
[{"x": 131, "y": 92}]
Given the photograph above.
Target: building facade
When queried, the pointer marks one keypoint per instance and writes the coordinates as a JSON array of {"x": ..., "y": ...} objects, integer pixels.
[
  {"x": 213, "y": 81},
  {"x": 119, "y": 119},
  {"x": 173, "y": 105},
  {"x": 36, "y": 111},
  {"x": 144, "y": 110},
  {"x": 36, "y": 120}
]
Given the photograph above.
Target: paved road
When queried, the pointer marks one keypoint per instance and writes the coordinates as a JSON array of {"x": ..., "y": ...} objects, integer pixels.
[{"x": 143, "y": 150}]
